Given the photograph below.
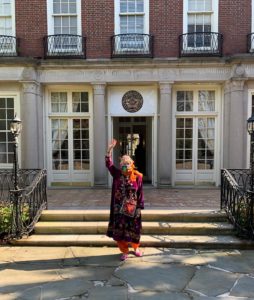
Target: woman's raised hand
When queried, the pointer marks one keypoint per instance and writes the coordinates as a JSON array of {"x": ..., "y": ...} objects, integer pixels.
[{"x": 111, "y": 146}]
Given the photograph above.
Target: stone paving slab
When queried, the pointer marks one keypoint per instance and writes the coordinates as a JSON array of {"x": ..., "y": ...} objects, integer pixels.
[{"x": 72, "y": 273}]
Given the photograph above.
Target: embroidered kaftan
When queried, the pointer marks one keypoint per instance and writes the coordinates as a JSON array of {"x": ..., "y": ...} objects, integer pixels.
[{"x": 122, "y": 227}]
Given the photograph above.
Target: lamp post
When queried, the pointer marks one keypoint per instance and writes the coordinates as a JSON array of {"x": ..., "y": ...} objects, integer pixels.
[
  {"x": 15, "y": 128},
  {"x": 250, "y": 127}
]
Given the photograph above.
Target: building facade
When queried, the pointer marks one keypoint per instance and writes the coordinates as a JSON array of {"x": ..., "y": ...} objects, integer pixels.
[{"x": 172, "y": 81}]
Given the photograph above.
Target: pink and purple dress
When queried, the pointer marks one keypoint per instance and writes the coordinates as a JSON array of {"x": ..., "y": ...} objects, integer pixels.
[{"x": 122, "y": 227}]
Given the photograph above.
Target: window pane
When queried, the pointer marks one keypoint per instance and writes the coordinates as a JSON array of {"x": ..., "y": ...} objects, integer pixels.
[
  {"x": 184, "y": 101},
  {"x": 206, "y": 101},
  {"x": 59, "y": 142},
  {"x": 184, "y": 143}
]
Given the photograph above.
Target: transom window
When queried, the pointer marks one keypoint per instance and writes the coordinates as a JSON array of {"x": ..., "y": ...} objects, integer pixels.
[
  {"x": 206, "y": 101},
  {"x": 78, "y": 102}
]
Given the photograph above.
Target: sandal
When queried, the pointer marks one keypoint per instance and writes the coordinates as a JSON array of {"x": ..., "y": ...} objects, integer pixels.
[{"x": 124, "y": 256}]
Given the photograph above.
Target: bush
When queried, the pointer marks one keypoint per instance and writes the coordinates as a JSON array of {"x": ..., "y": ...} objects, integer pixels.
[{"x": 6, "y": 214}]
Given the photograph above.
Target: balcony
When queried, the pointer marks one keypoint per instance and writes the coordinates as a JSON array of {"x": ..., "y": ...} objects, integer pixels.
[
  {"x": 64, "y": 46},
  {"x": 8, "y": 45},
  {"x": 131, "y": 45},
  {"x": 200, "y": 44}
]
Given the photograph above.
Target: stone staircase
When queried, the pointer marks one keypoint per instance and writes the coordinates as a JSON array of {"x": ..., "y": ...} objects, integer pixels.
[{"x": 207, "y": 229}]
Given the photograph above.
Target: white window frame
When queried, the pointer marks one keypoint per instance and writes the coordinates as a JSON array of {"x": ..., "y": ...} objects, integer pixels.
[
  {"x": 50, "y": 22},
  {"x": 195, "y": 114},
  {"x": 214, "y": 20},
  {"x": 86, "y": 175},
  {"x": 146, "y": 16},
  {"x": 16, "y": 97},
  {"x": 13, "y": 23}
]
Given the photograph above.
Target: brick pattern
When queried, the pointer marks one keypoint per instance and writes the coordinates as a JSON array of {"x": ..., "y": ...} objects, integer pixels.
[
  {"x": 154, "y": 198},
  {"x": 166, "y": 24},
  {"x": 31, "y": 26},
  {"x": 98, "y": 27},
  {"x": 234, "y": 24}
]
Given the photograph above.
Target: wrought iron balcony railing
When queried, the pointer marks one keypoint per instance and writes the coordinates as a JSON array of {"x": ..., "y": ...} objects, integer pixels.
[
  {"x": 131, "y": 45},
  {"x": 250, "y": 43},
  {"x": 200, "y": 44},
  {"x": 8, "y": 45},
  {"x": 64, "y": 45}
]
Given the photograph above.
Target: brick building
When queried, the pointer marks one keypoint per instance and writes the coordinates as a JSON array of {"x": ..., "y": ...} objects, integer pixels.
[{"x": 175, "y": 76}]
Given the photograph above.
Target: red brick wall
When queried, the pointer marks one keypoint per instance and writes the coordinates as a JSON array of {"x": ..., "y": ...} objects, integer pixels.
[
  {"x": 234, "y": 24},
  {"x": 166, "y": 24},
  {"x": 31, "y": 26},
  {"x": 98, "y": 27}
]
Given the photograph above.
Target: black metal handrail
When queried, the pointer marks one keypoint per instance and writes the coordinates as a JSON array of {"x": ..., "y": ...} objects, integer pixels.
[
  {"x": 20, "y": 209},
  {"x": 64, "y": 45},
  {"x": 238, "y": 200},
  {"x": 8, "y": 45},
  {"x": 131, "y": 45},
  {"x": 200, "y": 44},
  {"x": 250, "y": 42}
]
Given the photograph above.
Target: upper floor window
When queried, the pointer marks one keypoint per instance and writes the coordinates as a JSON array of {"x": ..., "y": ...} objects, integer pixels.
[
  {"x": 131, "y": 16},
  {"x": 64, "y": 17},
  {"x": 7, "y": 17},
  {"x": 200, "y": 16}
]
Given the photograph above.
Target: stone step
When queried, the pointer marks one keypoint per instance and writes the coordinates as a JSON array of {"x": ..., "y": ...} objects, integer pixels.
[
  {"x": 174, "y": 228},
  {"x": 147, "y": 215},
  {"x": 169, "y": 241}
]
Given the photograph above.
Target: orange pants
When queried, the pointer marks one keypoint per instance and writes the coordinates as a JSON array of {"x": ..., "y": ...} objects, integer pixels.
[{"x": 124, "y": 246}]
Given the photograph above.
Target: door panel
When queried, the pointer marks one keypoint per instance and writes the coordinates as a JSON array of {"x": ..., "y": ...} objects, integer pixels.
[{"x": 195, "y": 149}]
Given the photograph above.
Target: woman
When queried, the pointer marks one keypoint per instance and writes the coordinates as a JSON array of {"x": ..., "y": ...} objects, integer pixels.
[{"x": 126, "y": 202}]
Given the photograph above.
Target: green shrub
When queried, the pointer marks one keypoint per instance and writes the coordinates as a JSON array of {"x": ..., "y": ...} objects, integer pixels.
[{"x": 6, "y": 213}]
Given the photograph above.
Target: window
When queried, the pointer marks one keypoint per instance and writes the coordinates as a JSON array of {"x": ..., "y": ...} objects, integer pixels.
[
  {"x": 64, "y": 22},
  {"x": 6, "y": 140},
  {"x": 70, "y": 131},
  {"x": 7, "y": 26},
  {"x": 195, "y": 136},
  {"x": 6, "y": 17},
  {"x": 201, "y": 18},
  {"x": 132, "y": 16},
  {"x": 132, "y": 20}
]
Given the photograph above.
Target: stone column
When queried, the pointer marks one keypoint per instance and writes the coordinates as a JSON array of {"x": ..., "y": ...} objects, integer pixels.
[
  {"x": 234, "y": 125},
  {"x": 165, "y": 134},
  {"x": 32, "y": 134},
  {"x": 99, "y": 117}
]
